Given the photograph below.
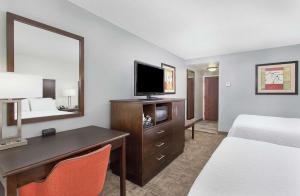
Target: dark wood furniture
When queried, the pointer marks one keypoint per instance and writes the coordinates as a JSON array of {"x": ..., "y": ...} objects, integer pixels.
[
  {"x": 33, "y": 162},
  {"x": 190, "y": 94},
  {"x": 191, "y": 123},
  {"x": 10, "y": 19},
  {"x": 149, "y": 150},
  {"x": 49, "y": 90}
]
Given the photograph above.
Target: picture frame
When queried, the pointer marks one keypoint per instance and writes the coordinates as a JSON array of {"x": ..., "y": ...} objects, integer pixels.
[
  {"x": 169, "y": 78},
  {"x": 276, "y": 78}
]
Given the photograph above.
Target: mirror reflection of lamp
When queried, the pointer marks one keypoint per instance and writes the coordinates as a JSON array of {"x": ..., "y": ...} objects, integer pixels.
[
  {"x": 69, "y": 93},
  {"x": 13, "y": 88}
]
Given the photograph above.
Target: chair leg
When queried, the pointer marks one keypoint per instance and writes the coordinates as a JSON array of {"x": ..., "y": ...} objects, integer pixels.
[{"x": 193, "y": 131}]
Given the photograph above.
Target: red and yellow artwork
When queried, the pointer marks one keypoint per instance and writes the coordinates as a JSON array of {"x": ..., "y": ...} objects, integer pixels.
[
  {"x": 170, "y": 79},
  {"x": 276, "y": 78}
]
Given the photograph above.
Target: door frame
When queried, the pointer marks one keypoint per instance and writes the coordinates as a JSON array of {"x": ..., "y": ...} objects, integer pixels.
[{"x": 203, "y": 94}]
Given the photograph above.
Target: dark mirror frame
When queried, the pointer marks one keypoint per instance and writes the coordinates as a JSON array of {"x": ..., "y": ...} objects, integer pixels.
[{"x": 10, "y": 19}]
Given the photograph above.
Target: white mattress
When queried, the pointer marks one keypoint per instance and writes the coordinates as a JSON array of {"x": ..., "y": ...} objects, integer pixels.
[
  {"x": 283, "y": 131},
  {"x": 241, "y": 167},
  {"x": 34, "y": 114}
]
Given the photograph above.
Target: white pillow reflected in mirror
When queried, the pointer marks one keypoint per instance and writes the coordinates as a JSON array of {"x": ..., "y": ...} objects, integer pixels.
[{"x": 43, "y": 104}]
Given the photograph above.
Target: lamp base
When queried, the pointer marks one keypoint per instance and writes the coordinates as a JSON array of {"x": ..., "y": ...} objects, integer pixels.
[{"x": 13, "y": 143}]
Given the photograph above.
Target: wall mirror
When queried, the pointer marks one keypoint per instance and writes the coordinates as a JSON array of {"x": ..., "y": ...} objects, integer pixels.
[{"x": 55, "y": 55}]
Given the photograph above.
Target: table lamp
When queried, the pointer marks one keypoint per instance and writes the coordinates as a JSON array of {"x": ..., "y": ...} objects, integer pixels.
[
  {"x": 13, "y": 88},
  {"x": 69, "y": 93}
]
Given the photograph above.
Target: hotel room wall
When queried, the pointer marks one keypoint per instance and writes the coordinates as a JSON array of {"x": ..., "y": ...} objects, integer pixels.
[
  {"x": 240, "y": 98},
  {"x": 109, "y": 55},
  {"x": 198, "y": 108}
]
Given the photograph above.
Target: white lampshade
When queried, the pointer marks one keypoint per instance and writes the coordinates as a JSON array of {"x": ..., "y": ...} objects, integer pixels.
[
  {"x": 69, "y": 92},
  {"x": 15, "y": 85}
]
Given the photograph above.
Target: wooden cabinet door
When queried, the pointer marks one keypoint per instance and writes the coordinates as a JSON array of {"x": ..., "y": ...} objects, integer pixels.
[
  {"x": 178, "y": 127},
  {"x": 211, "y": 98}
]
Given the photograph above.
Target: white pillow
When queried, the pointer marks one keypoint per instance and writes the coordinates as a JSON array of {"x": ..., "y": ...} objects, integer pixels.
[
  {"x": 25, "y": 106},
  {"x": 43, "y": 104}
]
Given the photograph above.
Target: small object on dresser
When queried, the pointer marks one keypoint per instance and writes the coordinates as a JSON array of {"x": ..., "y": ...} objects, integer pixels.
[
  {"x": 48, "y": 132},
  {"x": 147, "y": 121},
  {"x": 61, "y": 107}
]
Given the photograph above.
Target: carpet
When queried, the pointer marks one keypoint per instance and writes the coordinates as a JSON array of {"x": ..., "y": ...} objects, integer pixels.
[
  {"x": 177, "y": 178},
  {"x": 206, "y": 126}
]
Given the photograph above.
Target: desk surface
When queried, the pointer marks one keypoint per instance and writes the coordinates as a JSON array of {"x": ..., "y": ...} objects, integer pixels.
[{"x": 41, "y": 150}]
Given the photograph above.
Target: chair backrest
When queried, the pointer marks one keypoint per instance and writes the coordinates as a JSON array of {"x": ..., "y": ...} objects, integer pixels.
[{"x": 84, "y": 175}]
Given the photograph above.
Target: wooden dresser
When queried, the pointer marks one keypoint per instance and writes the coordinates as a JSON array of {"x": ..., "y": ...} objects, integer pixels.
[{"x": 148, "y": 150}]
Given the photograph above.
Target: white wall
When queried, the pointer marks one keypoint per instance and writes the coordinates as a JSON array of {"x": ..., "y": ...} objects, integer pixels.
[
  {"x": 240, "y": 98},
  {"x": 198, "y": 108},
  {"x": 109, "y": 55}
]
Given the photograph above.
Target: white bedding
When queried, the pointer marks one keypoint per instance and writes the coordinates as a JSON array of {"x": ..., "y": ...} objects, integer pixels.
[
  {"x": 241, "y": 167},
  {"x": 283, "y": 131},
  {"x": 39, "y": 107},
  {"x": 35, "y": 114}
]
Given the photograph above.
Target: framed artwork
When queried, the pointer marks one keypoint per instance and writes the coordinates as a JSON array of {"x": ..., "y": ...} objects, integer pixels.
[
  {"x": 277, "y": 78},
  {"x": 170, "y": 78}
]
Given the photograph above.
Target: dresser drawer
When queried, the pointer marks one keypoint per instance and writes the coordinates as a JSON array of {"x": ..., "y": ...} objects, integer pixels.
[
  {"x": 152, "y": 164},
  {"x": 154, "y": 134},
  {"x": 157, "y": 145}
]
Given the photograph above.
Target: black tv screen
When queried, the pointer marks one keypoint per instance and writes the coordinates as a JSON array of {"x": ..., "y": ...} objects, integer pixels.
[{"x": 149, "y": 80}]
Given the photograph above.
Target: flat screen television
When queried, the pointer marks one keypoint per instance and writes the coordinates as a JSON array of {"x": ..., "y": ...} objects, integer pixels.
[{"x": 148, "y": 80}]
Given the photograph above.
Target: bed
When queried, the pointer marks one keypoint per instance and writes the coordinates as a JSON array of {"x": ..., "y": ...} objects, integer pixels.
[
  {"x": 36, "y": 114},
  {"x": 277, "y": 130},
  {"x": 242, "y": 167},
  {"x": 39, "y": 107}
]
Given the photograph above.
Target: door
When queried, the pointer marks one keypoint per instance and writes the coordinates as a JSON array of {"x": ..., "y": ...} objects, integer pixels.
[
  {"x": 178, "y": 108},
  {"x": 211, "y": 98},
  {"x": 190, "y": 94}
]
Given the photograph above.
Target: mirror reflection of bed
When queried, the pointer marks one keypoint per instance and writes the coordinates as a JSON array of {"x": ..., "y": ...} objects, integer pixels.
[
  {"x": 55, "y": 58},
  {"x": 48, "y": 104}
]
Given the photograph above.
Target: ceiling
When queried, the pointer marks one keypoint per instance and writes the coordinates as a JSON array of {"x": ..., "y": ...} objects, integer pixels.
[{"x": 199, "y": 28}]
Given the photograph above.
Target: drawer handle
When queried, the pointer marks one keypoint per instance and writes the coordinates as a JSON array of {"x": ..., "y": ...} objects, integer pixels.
[
  {"x": 160, "y": 158},
  {"x": 160, "y": 144},
  {"x": 160, "y": 132}
]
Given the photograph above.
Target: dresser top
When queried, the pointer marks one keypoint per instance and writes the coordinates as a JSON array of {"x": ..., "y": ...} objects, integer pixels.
[{"x": 148, "y": 101}]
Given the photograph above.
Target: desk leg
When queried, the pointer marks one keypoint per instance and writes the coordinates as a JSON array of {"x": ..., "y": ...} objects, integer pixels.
[
  {"x": 123, "y": 168},
  {"x": 193, "y": 131},
  {"x": 11, "y": 186}
]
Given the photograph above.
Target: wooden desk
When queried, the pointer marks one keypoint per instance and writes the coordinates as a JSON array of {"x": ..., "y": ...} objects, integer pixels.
[
  {"x": 33, "y": 162},
  {"x": 191, "y": 123}
]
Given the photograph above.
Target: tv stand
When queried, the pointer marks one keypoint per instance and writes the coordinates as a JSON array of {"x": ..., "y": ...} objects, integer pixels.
[
  {"x": 149, "y": 149},
  {"x": 149, "y": 97}
]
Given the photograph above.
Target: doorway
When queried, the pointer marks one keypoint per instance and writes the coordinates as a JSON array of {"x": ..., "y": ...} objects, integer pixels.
[{"x": 211, "y": 98}]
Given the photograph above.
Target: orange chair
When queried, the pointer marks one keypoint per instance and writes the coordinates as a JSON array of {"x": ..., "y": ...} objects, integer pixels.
[{"x": 80, "y": 176}]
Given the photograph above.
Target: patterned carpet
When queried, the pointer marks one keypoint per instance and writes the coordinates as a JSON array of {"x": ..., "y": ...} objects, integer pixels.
[
  {"x": 207, "y": 126},
  {"x": 177, "y": 178}
]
